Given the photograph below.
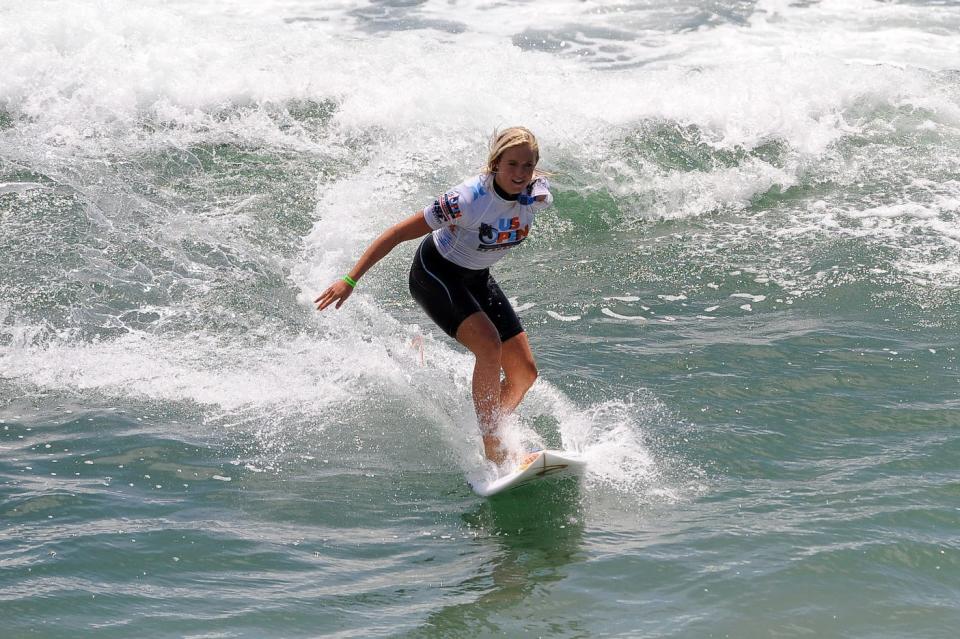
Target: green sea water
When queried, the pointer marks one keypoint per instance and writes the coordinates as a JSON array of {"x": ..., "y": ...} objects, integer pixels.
[{"x": 743, "y": 306}]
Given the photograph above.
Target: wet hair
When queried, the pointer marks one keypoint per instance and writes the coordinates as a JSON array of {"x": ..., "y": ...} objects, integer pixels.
[{"x": 507, "y": 139}]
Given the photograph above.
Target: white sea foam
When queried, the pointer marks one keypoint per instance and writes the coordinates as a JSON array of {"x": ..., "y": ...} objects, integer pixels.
[
  {"x": 917, "y": 211},
  {"x": 112, "y": 63},
  {"x": 563, "y": 318},
  {"x": 609, "y": 435},
  {"x": 634, "y": 318}
]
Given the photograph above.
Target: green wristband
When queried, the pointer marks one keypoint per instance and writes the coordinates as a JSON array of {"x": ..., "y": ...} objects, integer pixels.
[{"x": 349, "y": 280}]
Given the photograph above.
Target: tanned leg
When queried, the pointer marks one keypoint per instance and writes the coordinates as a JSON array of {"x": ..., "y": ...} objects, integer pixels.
[
  {"x": 520, "y": 372},
  {"x": 479, "y": 335}
]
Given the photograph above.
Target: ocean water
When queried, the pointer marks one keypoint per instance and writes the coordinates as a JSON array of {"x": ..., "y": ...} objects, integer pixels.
[{"x": 744, "y": 306}]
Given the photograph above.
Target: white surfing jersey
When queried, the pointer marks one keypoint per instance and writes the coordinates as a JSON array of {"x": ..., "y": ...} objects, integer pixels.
[{"x": 474, "y": 226}]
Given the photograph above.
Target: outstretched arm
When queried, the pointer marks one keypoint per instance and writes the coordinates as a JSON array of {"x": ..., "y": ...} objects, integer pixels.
[{"x": 409, "y": 229}]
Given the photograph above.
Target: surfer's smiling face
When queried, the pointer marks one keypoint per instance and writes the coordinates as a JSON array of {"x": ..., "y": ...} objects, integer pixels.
[{"x": 514, "y": 170}]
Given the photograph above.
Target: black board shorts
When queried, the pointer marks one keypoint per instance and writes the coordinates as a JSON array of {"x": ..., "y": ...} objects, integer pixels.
[{"x": 450, "y": 293}]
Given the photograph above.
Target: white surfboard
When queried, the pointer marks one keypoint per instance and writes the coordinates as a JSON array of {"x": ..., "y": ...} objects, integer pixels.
[{"x": 541, "y": 464}]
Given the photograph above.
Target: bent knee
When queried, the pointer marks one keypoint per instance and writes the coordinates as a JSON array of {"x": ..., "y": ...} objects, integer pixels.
[
  {"x": 532, "y": 373},
  {"x": 489, "y": 350},
  {"x": 486, "y": 343},
  {"x": 479, "y": 335},
  {"x": 525, "y": 374}
]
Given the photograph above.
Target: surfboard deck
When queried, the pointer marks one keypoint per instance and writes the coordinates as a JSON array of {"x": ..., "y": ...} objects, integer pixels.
[{"x": 541, "y": 464}]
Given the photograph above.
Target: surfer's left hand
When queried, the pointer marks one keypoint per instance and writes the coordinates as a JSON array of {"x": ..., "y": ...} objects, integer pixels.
[{"x": 337, "y": 292}]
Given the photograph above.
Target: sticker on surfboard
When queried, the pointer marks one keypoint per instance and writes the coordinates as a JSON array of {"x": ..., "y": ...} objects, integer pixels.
[{"x": 541, "y": 464}]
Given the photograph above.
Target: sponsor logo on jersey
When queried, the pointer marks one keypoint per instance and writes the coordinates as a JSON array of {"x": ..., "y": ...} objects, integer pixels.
[
  {"x": 477, "y": 190},
  {"x": 506, "y": 234},
  {"x": 446, "y": 208}
]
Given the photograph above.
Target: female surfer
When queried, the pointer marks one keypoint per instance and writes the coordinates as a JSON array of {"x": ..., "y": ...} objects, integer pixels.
[{"x": 470, "y": 227}]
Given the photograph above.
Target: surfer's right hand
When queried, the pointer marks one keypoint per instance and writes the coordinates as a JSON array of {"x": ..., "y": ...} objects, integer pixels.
[{"x": 338, "y": 292}]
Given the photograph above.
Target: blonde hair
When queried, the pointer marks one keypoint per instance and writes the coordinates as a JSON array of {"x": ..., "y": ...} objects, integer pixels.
[{"x": 500, "y": 141}]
